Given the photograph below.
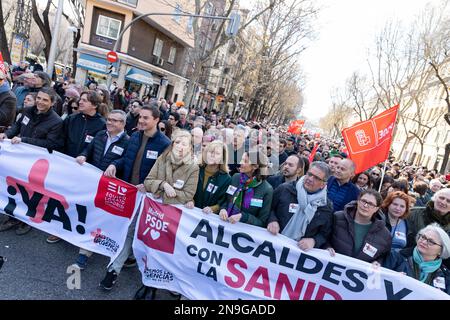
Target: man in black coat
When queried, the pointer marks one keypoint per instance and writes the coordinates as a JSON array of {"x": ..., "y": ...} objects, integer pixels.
[
  {"x": 133, "y": 117},
  {"x": 7, "y": 103},
  {"x": 40, "y": 126},
  {"x": 286, "y": 209},
  {"x": 292, "y": 170},
  {"x": 108, "y": 145}
]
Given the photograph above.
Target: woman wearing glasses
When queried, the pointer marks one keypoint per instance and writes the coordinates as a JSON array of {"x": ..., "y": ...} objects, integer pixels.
[
  {"x": 396, "y": 210},
  {"x": 359, "y": 230},
  {"x": 437, "y": 210},
  {"x": 424, "y": 261}
]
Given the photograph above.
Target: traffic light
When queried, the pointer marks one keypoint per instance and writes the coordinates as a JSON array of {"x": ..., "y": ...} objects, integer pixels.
[{"x": 233, "y": 25}]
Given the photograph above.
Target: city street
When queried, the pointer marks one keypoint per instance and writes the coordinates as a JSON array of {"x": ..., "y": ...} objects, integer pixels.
[{"x": 37, "y": 270}]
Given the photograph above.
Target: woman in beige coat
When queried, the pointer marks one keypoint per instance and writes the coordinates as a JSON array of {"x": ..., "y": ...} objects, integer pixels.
[{"x": 174, "y": 176}]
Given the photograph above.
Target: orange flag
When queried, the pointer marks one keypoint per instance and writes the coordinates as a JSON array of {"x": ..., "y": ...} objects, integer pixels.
[
  {"x": 368, "y": 142},
  {"x": 296, "y": 126}
]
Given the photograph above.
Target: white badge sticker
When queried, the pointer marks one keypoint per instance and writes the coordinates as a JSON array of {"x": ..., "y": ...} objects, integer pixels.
[
  {"x": 256, "y": 203},
  {"x": 210, "y": 187},
  {"x": 215, "y": 189},
  {"x": 152, "y": 154},
  {"x": 400, "y": 235},
  {"x": 369, "y": 250},
  {"x": 293, "y": 207},
  {"x": 88, "y": 139},
  {"x": 117, "y": 150},
  {"x": 25, "y": 120},
  {"x": 439, "y": 282},
  {"x": 231, "y": 190},
  {"x": 178, "y": 184}
]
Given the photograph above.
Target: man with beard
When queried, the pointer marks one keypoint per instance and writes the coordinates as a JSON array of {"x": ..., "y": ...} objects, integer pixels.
[{"x": 292, "y": 169}]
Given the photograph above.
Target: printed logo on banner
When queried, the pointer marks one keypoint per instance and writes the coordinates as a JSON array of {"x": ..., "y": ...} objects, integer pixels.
[
  {"x": 158, "y": 225},
  {"x": 42, "y": 203},
  {"x": 158, "y": 275},
  {"x": 116, "y": 197},
  {"x": 362, "y": 137},
  {"x": 104, "y": 241}
]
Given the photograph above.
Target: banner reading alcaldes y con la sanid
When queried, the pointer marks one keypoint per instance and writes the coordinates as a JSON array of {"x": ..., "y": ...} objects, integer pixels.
[
  {"x": 202, "y": 257},
  {"x": 77, "y": 203}
]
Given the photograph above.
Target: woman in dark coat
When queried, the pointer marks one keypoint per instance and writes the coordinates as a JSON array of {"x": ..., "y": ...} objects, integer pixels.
[{"x": 359, "y": 230}]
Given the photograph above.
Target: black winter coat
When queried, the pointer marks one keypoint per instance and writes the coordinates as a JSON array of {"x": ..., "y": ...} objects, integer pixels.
[
  {"x": 320, "y": 226},
  {"x": 343, "y": 236},
  {"x": 43, "y": 130},
  {"x": 94, "y": 152},
  {"x": 7, "y": 108},
  {"x": 79, "y": 130}
]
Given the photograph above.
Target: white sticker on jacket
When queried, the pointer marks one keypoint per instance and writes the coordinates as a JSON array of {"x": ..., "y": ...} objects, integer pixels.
[
  {"x": 293, "y": 207},
  {"x": 88, "y": 139},
  {"x": 152, "y": 154},
  {"x": 369, "y": 250},
  {"x": 25, "y": 120},
  {"x": 439, "y": 282},
  {"x": 400, "y": 235},
  {"x": 231, "y": 190},
  {"x": 178, "y": 184},
  {"x": 210, "y": 187},
  {"x": 117, "y": 150}
]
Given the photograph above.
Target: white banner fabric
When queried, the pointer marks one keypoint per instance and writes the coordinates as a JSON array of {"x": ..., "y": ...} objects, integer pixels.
[{"x": 53, "y": 193}]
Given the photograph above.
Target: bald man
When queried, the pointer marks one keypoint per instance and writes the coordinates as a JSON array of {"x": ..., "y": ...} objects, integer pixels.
[{"x": 340, "y": 189}]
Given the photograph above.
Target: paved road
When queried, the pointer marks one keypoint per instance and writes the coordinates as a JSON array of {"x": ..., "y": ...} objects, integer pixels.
[{"x": 37, "y": 270}]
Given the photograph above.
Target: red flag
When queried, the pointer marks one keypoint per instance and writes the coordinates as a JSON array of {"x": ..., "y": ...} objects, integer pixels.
[
  {"x": 296, "y": 126},
  {"x": 368, "y": 142},
  {"x": 2, "y": 64},
  {"x": 313, "y": 152}
]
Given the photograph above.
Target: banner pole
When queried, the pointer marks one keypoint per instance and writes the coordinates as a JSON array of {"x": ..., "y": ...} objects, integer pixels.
[{"x": 382, "y": 175}]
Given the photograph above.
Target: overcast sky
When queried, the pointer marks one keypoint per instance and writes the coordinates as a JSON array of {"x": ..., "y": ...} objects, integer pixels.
[{"x": 346, "y": 29}]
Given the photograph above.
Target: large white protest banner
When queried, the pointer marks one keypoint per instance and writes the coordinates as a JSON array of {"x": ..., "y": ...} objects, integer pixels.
[
  {"x": 53, "y": 193},
  {"x": 202, "y": 257}
]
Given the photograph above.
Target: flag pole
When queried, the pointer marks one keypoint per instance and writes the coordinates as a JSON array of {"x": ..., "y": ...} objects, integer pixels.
[{"x": 382, "y": 174}]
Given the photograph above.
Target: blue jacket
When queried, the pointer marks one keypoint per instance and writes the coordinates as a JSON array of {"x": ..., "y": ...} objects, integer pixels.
[
  {"x": 159, "y": 142},
  {"x": 341, "y": 195}
]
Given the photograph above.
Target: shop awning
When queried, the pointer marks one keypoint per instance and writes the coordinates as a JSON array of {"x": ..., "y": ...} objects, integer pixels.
[
  {"x": 93, "y": 63},
  {"x": 140, "y": 76}
]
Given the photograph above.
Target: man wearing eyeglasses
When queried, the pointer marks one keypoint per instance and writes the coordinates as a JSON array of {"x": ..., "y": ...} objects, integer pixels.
[
  {"x": 340, "y": 188},
  {"x": 301, "y": 210},
  {"x": 108, "y": 145}
]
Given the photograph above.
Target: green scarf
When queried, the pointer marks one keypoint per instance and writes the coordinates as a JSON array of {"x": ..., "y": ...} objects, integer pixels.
[{"x": 425, "y": 267}]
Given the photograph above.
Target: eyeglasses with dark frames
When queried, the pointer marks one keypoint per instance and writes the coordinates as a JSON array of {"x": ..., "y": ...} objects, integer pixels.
[{"x": 428, "y": 241}]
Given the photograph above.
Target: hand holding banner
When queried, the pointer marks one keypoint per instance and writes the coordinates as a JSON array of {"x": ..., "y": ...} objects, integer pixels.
[{"x": 369, "y": 142}]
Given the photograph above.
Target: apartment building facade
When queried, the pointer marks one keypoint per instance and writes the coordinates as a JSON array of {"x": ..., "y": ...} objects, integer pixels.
[{"x": 152, "y": 52}]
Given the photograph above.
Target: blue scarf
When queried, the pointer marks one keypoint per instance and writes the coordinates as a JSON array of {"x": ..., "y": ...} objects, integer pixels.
[{"x": 425, "y": 267}]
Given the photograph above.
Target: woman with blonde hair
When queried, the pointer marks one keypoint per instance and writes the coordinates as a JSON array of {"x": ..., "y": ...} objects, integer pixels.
[
  {"x": 213, "y": 178},
  {"x": 174, "y": 175}
]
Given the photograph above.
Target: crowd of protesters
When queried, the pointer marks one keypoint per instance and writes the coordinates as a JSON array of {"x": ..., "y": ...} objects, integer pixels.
[{"x": 301, "y": 186}]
